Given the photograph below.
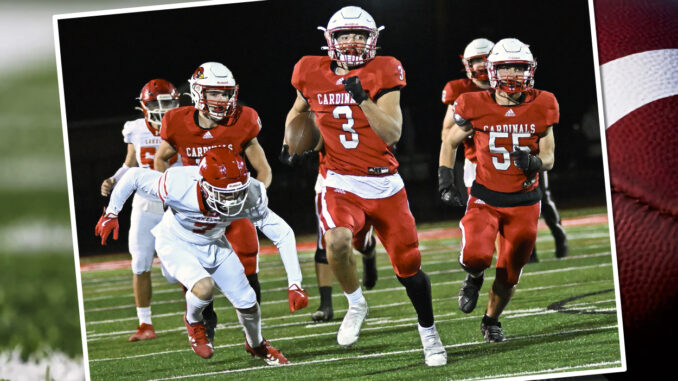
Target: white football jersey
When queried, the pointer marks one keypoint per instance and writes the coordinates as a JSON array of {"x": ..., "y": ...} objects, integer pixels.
[
  {"x": 178, "y": 189},
  {"x": 145, "y": 140}
]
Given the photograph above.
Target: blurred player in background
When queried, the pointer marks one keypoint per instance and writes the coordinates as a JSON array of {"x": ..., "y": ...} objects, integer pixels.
[
  {"x": 512, "y": 129},
  {"x": 355, "y": 96},
  {"x": 202, "y": 201},
  {"x": 143, "y": 138},
  {"x": 217, "y": 120}
]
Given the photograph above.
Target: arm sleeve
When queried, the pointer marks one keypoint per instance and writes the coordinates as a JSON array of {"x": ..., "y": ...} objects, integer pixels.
[
  {"x": 282, "y": 236},
  {"x": 136, "y": 179}
]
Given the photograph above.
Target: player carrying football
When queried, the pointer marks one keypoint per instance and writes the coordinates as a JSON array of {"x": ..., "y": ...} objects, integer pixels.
[
  {"x": 512, "y": 129},
  {"x": 143, "y": 138},
  {"x": 355, "y": 96}
]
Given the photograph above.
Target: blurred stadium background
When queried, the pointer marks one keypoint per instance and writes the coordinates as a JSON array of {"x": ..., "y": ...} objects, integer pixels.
[{"x": 40, "y": 336}]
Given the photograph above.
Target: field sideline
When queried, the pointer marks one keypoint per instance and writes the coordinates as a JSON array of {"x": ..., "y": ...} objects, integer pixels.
[{"x": 563, "y": 319}]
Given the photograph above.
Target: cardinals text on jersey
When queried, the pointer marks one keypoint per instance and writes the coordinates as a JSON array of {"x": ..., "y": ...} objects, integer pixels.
[
  {"x": 180, "y": 129},
  {"x": 500, "y": 130},
  {"x": 351, "y": 146}
]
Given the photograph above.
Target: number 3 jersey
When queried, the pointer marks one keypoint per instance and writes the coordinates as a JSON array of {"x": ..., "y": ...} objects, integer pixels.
[
  {"x": 500, "y": 130},
  {"x": 351, "y": 146},
  {"x": 188, "y": 216}
]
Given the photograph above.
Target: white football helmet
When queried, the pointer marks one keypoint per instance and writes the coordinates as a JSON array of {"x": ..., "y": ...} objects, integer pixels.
[
  {"x": 478, "y": 48},
  {"x": 512, "y": 52},
  {"x": 351, "y": 19},
  {"x": 214, "y": 76}
]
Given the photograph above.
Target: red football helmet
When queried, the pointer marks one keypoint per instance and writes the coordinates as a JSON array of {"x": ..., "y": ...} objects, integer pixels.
[
  {"x": 225, "y": 180},
  {"x": 156, "y": 98}
]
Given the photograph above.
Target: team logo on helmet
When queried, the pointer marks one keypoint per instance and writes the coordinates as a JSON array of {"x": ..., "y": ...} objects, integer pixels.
[{"x": 199, "y": 73}]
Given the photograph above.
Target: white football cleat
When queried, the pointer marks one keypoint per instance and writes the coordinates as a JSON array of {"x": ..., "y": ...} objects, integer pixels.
[
  {"x": 350, "y": 326},
  {"x": 434, "y": 351}
]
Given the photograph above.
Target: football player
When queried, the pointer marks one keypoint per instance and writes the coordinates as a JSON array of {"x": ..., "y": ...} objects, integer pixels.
[
  {"x": 202, "y": 201},
  {"x": 512, "y": 129},
  {"x": 365, "y": 243},
  {"x": 143, "y": 138},
  {"x": 475, "y": 65},
  {"x": 217, "y": 120},
  {"x": 355, "y": 96}
]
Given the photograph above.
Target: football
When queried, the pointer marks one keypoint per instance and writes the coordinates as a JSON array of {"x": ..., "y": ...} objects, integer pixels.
[
  {"x": 638, "y": 49},
  {"x": 301, "y": 134}
]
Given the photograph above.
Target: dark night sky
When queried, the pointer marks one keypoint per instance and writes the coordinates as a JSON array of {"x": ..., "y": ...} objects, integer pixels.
[{"x": 107, "y": 59}]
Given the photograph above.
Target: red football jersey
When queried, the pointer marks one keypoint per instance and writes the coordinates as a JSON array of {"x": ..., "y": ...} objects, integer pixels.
[
  {"x": 451, "y": 91},
  {"x": 351, "y": 146},
  {"x": 498, "y": 129},
  {"x": 180, "y": 129}
]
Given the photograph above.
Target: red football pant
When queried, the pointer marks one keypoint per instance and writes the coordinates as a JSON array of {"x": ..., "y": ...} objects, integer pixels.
[
  {"x": 517, "y": 229},
  {"x": 392, "y": 220},
  {"x": 360, "y": 240},
  {"x": 242, "y": 236}
]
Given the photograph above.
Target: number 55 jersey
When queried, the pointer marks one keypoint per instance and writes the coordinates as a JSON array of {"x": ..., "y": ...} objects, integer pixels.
[
  {"x": 500, "y": 130},
  {"x": 351, "y": 146}
]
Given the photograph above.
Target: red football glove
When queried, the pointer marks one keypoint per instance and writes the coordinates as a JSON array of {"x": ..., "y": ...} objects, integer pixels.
[
  {"x": 107, "y": 223},
  {"x": 298, "y": 297}
]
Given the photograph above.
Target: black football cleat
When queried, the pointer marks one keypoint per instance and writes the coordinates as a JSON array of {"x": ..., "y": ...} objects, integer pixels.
[
  {"x": 491, "y": 330},
  {"x": 533, "y": 256},
  {"x": 210, "y": 320},
  {"x": 468, "y": 294},
  {"x": 323, "y": 314},
  {"x": 561, "y": 243}
]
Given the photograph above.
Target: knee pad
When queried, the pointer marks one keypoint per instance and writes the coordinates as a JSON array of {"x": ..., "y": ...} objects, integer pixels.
[
  {"x": 320, "y": 256},
  {"x": 141, "y": 263}
]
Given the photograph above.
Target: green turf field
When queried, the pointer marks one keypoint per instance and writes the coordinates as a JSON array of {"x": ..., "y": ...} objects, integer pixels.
[{"x": 563, "y": 318}]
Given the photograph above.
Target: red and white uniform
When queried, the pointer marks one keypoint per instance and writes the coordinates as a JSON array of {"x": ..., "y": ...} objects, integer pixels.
[
  {"x": 146, "y": 212},
  {"x": 502, "y": 197},
  {"x": 190, "y": 239},
  {"x": 180, "y": 129},
  {"x": 362, "y": 187},
  {"x": 451, "y": 91}
]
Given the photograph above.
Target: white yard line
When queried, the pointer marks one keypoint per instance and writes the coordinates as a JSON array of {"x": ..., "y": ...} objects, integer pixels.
[{"x": 413, "y": 350}]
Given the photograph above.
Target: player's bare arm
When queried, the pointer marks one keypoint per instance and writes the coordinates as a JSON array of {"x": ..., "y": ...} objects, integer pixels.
[
  {"x": 130, "y": 161},
  {"x": 449, "y": 193},
  {"x": 385, "y": 116},
  {"x": 257, "y": 157},
  {"x": 162, "y": 156},
  {"x": 547, "y": 147},
  {"x": 452, "y": 140},
  {"x": 448, "y": 121},
  {"x": 299, "y": 107}
]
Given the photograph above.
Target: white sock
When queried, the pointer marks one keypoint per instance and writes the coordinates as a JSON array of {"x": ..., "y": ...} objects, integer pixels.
[
  {"x": 425, "y": 330},
  {"x": 355, "y": 297},
  {"x": 251, "y": 324},
  {"x": 194, "y": 307},
  {"x": 144, "y": 315}
]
